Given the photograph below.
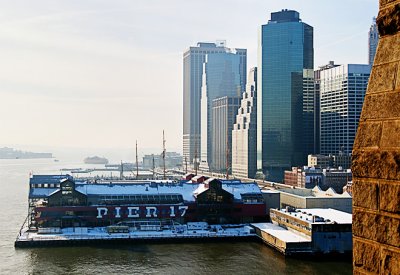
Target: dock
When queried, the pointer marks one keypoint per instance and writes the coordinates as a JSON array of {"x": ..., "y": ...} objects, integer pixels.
[
  {"x": 283, "y": 240},
  {"x": 100, "y": 235}
]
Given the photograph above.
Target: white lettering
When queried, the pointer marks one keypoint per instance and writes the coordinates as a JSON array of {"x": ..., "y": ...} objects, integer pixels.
[
  {"x": 136, "y": 212},
  {"x": 148, "y": 211},
  {"x": 99, "y": 209},
  {"x": 183, "y": 208},
  {"x": 117, "y": 209},
  {"x": 172, "y": 211}
]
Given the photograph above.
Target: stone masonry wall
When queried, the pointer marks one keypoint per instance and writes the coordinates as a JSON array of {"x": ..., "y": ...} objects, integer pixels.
[{"x": 376, "y": 157}]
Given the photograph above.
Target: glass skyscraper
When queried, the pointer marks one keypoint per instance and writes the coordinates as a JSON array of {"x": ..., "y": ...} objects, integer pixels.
[
  {"x": 193, "y": 60},
  {"x": 285, "y": 51},
  {"x": 222, "y": 77},
  {"x": 342, "y": 91},
  {"x": 373, "y": 38}
]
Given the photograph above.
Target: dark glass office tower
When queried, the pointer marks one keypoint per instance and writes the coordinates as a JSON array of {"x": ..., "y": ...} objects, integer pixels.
[{"x": 285, "y": 55}]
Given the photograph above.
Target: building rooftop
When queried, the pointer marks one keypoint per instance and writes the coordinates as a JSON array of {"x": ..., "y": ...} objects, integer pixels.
[
  {"x": 320, "y": 215},
  {"x": 316, "y": 192},
  {"x": 281, "y": 233},
  {"x": 187, "y": 189}
]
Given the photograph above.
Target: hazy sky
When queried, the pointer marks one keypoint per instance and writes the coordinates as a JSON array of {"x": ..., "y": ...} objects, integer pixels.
[{"x": 80, "y": 73}]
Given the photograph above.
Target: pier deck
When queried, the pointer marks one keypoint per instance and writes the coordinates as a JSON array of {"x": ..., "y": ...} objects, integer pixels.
[{"x": 70, "y": 236}]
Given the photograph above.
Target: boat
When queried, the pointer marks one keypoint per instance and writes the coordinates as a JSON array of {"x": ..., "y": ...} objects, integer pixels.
[{"x": 95, "y": 160}]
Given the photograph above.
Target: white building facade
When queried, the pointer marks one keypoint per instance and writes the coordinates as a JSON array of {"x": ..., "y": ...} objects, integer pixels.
[{"x": 244, "y": 133}]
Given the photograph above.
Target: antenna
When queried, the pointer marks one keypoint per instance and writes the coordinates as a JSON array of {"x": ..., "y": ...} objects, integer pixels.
[
  {"x": 137, "y": 164},
  {"x": 164, "y": 152}
]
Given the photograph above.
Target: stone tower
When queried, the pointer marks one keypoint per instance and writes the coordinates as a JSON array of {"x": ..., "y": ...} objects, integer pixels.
[{"x": 376, "y": 156}]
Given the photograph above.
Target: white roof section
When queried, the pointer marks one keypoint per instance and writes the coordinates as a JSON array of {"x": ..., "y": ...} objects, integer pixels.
[
  {"x": 330, "y": 214},
  {"x": 41, "y": 192},
  {"x": 281, "y": 233},
  {"x": 187, "y": 190},
  {"x": 316, "y": 192},
  {"x": 322, "y": 215}
]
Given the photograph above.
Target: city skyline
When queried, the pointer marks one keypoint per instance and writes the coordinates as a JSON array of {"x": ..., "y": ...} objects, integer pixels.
[{"x": 68, "y": 67}]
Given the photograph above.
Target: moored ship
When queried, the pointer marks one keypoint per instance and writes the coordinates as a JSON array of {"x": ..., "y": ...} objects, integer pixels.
[{"x": 95, "y": 160}]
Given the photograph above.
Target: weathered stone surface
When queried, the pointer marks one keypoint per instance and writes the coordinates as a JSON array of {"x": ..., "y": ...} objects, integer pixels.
[
  {"x": 388, "y": 20},
  {"x": 378, "y": 164},
  {"x": 365, "y": 194},
  {"x": 383, "y": 3},
  {"x": 389, "y": 197},
  {"x": 381, "y": 106},
  {"x": 376, "y": 227},
  {"x": 376, "y": 156},
  {"x": 366, "y": 256},
  {"x": 368, "y": 135},
  {"x": 387, "y": 50},
  {"x": 398, "y": 79},
  {"x": 383, "y": 78},
  {"x": 390, "y": 261},
  {"x": 391, "y": 134}
]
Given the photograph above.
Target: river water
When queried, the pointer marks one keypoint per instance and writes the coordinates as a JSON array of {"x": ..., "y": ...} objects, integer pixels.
[{"x": 208, "y": 258}]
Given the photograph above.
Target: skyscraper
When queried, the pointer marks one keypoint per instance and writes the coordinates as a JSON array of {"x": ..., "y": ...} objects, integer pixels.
[
  {"x": 244, "y": 133},
  {"x": 373, "y": 38},
  {"x": 285, "y": 50},
  {"x": 193, "y": 60},
  {"x": 221, "y": 77},
  {"x": 317, "y": 107},
  {"x": 224, "y": 111},
  {"x": 342, "y": 96}
]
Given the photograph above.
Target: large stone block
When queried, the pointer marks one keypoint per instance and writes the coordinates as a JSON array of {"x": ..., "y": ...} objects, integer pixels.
[
  {"x": 388, "y": 20},
  {"x": 376, "y": 227},
  {"x": 365, "y": 194},
  {"x": 391, "y": 134},
  {"x": 387, "y": 50},
  {"x": 389, "y": 197},
  {"x": 377, "y": 164},
  {"x": 397, "y": 88},
  {"x": 383, "y": 78},
  {"x": 366, "y": 256},
  {"x": 381, "y": 106},
  {"x": 390, "y": 263},
  {"x": 368, "y": 135}
]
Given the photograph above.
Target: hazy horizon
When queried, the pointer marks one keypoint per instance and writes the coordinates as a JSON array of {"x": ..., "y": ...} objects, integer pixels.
[{"x": 102, "y": 74}]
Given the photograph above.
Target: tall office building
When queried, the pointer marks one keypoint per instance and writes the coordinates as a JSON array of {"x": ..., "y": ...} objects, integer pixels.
[
  {"x": 285, "y": 51},
  {"x": 373, "y": 38},
  {"x": 224, "y": 111},
  {"x": 221, "y": 77},
  {"x": 244, "y": 133},
  {"x": 193, "y": 60},
  {"x": 317, "y": 103},
  {"x": 342, "y": 94}
]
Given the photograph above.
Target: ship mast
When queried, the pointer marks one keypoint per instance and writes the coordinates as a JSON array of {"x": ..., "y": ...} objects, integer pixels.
[
  {"x": 185, "y": 165},
  {"x": 121, "y": 176},
  {"x": 195, "y": 158},
  {"x": 154, "y": 167},
  {"x": 137, "y": 164},
  {"x": 164, "y": 152},
  {"x": 227, "y": 154}
]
